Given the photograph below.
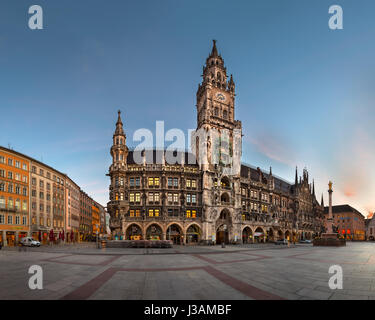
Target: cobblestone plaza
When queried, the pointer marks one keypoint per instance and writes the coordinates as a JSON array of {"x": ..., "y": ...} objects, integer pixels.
[{"x": 254, "y": 271}]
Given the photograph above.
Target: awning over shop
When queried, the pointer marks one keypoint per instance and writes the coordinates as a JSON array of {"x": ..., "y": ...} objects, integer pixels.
[{"x": 258, "y": 234}]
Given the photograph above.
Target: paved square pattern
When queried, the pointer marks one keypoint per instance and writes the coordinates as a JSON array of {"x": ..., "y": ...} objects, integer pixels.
[{"x": 260, "y": 272}]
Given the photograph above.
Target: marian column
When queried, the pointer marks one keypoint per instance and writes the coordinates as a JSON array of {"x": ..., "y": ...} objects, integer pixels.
[
  {"x": 330, "y": 216},
  {"x": 329, "y": 238}
]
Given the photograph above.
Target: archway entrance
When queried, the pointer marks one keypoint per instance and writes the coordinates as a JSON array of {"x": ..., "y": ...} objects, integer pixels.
[
  {"x": 247, "y": 235},
  {"x": 174, "y": 233},
  {"x": 222, "y": 226},
  {"x": 222, "y": 235},
  {"x": 193, "y": 234},
  {"x": 154, "y": 232},
  {"x": 133, "y": 232},
  {"x": 259, "y": 235}
]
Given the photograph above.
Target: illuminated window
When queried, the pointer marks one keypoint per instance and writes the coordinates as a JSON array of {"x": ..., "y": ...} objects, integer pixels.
[
  {"x": 157, "y": 182},
  {"x": 137, "y": 213},
  {"x": 137, "y": 197},
  {"x": 156, "y": 212},
  {"x": 150, "y": 197},
  {"x": 131, "y": 213},
  {"x": 150, "y": 182},
  {"x": 131, "y": 197},
  {"x": 188, "y": 213},
  {"x": 175, "y": 197},
  {"x": 156, "y": 197},
  {"x": 193, "y": 184},
  {"x": 193, "y": 213},
  {"x": 150, "y": 212},
  {"x": 188, "y": 183}
]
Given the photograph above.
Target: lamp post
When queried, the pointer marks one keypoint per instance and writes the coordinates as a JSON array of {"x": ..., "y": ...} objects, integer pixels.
[{"x": 97, "y": 234}]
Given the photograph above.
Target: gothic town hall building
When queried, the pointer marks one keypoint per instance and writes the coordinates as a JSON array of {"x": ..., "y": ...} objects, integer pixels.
[{"x": 193, "y": 202}]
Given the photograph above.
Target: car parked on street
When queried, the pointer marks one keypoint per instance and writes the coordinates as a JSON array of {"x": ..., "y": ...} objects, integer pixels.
[
  {"x": 281, "y": 241},
  {"x": 305, "y": 241},
  {"x": 30, "y": 242}
]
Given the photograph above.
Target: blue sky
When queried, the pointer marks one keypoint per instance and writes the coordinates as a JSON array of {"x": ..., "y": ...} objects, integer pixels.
[{"x": 305, "y": 93}]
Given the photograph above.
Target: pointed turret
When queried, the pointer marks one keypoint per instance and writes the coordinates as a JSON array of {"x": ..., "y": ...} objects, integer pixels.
[
  {"x": 296, "y": 179},
  {"x": 119, "y": 125},
  {"x": 119, "y": 150},
  {"x": 313, "y": 189},
  {"x": 322, "y": 201},
  {"x": 231, "y": 84}
]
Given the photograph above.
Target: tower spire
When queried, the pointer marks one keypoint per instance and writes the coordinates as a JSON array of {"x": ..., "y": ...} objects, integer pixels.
[
  {"x": 119, "y": 125},
  {"x": 214, "y": 49},
  {"x": 296, "y": 179},
  {"x": 322, "y": 201}
]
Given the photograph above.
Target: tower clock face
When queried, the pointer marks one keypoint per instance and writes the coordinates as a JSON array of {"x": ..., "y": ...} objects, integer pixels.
[{"x": 220, "y": 97}]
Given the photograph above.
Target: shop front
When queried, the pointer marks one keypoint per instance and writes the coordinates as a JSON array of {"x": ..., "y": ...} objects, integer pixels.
[
  {"x": 21, "y": 235},
  {"x": 11, "y": 238},
  {"x": 154, "y": 232},
  {"x": 193, "y": 234}
]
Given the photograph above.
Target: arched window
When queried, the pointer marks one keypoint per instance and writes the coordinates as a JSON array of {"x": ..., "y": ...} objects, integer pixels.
[
  {"x": 225, "y": 114},
  {"x": 218, "y": 76}
]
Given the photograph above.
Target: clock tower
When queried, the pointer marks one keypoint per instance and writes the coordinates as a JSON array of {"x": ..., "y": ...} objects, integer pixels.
[
  {"x": 215, "y": 95},
  {"x": 215, "y": 114},
  {"x": 218, "y": 144}
]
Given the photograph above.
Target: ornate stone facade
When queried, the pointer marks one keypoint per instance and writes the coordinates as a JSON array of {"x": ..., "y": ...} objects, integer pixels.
[{"x": 199, "y": 201}]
